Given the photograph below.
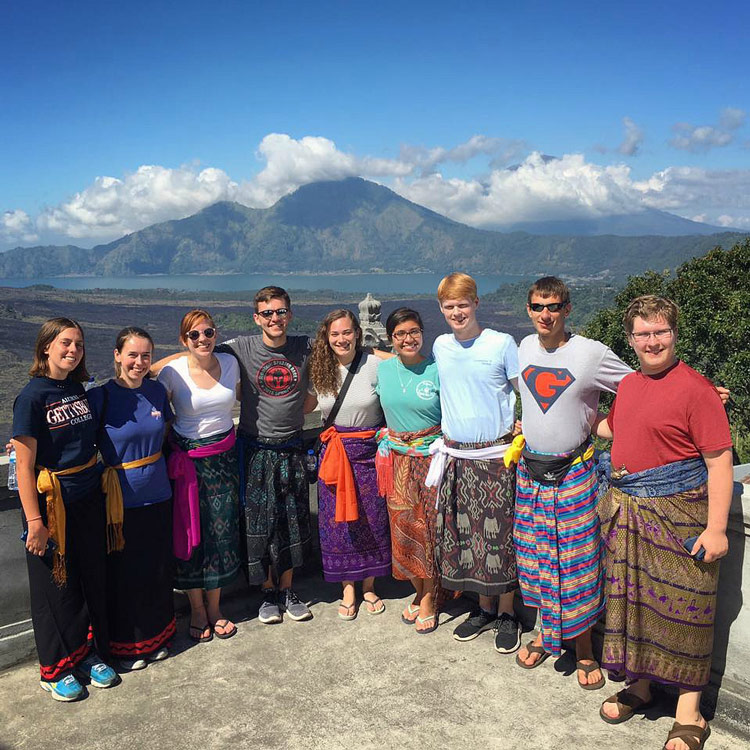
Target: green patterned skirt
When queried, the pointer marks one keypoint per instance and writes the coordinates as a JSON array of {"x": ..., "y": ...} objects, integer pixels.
[{"x": 216, "y": 560}]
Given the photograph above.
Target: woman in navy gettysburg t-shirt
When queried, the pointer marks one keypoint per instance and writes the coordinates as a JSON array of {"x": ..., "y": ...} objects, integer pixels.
[
  {"x": 132, "y": 413},
  {"x": 54, "y": 436}
]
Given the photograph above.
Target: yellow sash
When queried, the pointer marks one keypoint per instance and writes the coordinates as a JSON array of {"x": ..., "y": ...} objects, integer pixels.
[
  {"x": 513, "y": 454},
  {"x": 48, "y": 484},
  {"x": 113, "y": 490}
]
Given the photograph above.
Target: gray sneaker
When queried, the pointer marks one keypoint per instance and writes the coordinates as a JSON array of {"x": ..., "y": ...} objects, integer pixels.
[
  {"x": 269, "y": 612},
  {"x": 291, "y": 604}
]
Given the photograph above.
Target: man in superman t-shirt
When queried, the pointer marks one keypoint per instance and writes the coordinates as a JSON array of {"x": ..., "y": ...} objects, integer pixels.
[{"x": 556, "y": 529}]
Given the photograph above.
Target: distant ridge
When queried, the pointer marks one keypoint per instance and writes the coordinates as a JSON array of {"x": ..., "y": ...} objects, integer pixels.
[{"x": 350, "y": 225}]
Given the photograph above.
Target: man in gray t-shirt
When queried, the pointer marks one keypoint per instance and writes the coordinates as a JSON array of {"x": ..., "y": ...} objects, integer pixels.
[
  {"x": 274, "y": 384},
  {"x": 556, "y": 527}
]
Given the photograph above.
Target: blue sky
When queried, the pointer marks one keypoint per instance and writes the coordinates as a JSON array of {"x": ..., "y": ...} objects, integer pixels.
[{"x": 113, "y": 116}]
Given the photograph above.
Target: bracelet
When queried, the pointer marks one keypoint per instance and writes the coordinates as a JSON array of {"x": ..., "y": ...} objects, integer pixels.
[{"x": 35, "y": 518}]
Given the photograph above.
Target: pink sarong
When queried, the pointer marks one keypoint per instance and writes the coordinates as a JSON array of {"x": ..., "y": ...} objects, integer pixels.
[{"x": 186, "y": 520}]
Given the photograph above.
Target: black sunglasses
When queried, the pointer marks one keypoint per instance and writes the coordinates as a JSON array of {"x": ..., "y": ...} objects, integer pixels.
[
  {"x": 551, "y": 306},
  {"x": 195, "y": 335},
  {"x": 282, "y": 312}
]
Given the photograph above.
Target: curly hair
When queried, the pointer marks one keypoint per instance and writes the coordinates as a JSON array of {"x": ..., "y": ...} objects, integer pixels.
[{"x": 324, "y": 367}]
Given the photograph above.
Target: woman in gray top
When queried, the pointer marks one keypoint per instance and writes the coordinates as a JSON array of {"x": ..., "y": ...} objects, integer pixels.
[{"x": 353, "y": 519}]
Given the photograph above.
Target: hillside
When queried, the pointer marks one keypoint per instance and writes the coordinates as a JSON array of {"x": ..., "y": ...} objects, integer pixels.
[{"x": 350, "y": 225}]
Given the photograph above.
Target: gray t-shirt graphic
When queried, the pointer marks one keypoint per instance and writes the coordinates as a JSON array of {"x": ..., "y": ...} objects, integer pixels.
[
  {"x": 274, "y": 384},
  {"x": 560, "y": 390}
]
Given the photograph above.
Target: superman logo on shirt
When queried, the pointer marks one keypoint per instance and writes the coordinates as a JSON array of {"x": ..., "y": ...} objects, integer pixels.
[{"x": 547, "y": 384}]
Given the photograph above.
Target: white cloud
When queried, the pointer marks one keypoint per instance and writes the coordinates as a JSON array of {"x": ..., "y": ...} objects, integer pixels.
[
  {"x": 16, "y": 226},
  {"x": 631, "y": 143},
  {"x": 699, "y": 139},
  {"x": 538, "y": 188}
]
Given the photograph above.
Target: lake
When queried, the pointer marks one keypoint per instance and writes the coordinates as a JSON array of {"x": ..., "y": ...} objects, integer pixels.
[{"x": 380, "y": 283}]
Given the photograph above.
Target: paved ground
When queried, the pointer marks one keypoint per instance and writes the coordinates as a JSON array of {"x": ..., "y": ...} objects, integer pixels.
[{"x": 328, "y": 684}]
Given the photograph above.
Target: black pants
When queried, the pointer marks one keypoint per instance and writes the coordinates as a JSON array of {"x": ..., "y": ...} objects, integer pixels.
[{"x": 67, "y": 618}]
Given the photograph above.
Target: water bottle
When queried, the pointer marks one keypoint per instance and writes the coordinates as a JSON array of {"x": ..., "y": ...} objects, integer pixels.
[
  {"x": 12, "y": 481},
  {"x": 91, "y": 383},
  {"x": 311, "y": 466}
]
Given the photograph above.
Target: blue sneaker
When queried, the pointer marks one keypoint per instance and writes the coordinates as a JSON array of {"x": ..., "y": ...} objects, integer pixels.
[
  {"x": 100, "y": 674},
  {"x": 67, "y": 689}
]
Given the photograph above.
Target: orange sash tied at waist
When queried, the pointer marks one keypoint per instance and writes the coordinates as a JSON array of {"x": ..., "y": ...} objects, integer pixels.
[
  {"x": 336, "y": 471},
  {"x": 48, "y": 484},
  {"x": 115, "y": 509}
]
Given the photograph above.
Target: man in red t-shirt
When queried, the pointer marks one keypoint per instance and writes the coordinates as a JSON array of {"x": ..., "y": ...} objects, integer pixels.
[{"x": 664, "y": 523}]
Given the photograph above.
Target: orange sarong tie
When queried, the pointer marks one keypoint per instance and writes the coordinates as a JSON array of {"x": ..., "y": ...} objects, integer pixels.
[
  {"x": 48, "y": 484},
  {"x": 336, "y": 471}
]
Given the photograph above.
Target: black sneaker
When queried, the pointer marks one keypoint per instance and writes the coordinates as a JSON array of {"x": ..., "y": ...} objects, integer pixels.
[
  {"x": 269, "y": 612},
  {"x": 507, "y": 634},
  {"x": 477, "y": 622}
]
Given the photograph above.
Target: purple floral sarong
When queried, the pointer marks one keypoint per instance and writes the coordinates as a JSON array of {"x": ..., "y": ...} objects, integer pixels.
[{"x": 358, "y": 549}]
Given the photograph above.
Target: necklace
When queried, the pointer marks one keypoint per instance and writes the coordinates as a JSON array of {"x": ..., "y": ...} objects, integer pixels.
[{"x": 399, "y": 367}]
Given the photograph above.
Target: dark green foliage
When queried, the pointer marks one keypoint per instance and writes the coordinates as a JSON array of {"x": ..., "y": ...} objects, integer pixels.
[{"x": 713, "y": 293}]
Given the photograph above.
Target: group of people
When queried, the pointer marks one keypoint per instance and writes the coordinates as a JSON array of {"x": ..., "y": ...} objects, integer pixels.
[{"x": 421, "y": 473}]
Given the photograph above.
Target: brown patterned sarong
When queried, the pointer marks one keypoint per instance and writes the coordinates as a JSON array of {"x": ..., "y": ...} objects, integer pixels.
[
  {"x": 413, "y": 512},
  {"x": 660, "y": 601},
  {"x": 474, "y": 530}
]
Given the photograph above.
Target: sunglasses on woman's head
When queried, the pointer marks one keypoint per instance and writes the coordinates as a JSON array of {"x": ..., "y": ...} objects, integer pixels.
[{"x": 195, "y": 335}]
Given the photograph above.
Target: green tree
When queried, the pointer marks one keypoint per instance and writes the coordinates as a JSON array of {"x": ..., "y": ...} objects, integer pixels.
[{"x": 713, "y": 293}]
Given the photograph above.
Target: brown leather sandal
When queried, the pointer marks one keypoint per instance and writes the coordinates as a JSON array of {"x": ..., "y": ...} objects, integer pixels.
[
  {"x": 587, "y": 669},
  {"x": 693, "y": 735},
  {"x": 627, "y": 704},
  {"x": 532, "y": 649}
]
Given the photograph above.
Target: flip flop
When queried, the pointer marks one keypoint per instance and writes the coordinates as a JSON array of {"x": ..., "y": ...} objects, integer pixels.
[
  {"x": 201, "y": 637},
  {"x": 532, "y": 649},
  {"x": 627, "y": 704},
  {"x": 222, "y": 622},
  {"x": 411, "y": 609},
  {"x": 432, "y": 627},
  {"x": 587, "y": 669},
  {"x": 350, "y": 611},
  {"x": 374, "y": 602}
]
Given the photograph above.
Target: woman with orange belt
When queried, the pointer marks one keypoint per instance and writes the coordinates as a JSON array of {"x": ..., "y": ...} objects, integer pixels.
[
  {"x": 353, "y": 519},
  {"x": 54, "y": 436},
  {"x": 132, "y": 413}
]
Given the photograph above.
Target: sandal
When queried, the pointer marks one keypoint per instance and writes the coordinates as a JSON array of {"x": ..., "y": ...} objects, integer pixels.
[
  {"x": 349, "y": 611},
  {"x": 627, "y": 704},
  {"x": 411, "y": 609},
  {"x": 222, "y": 622},
  {"x": 422, "y": 620},
  {"x": 373, "y": 603},
  {"x": 198, "y": 633},
  {"x": 532, "y": 649},
  {"x": 693, "y": 735},
  {"x": 587, "y": 669}
]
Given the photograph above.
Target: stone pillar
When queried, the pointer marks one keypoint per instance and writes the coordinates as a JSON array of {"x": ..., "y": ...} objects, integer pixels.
[{"x": 373, "y": 330}]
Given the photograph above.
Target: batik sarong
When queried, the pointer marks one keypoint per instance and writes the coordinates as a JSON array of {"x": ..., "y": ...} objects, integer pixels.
[
  {"x": 559, "y": 551},
  {"x": 660, "y": 600},
  {"x": 474, "y": 528},
  {"x": 215, "y": 561},
  {"x": 277, "y": 505},
  {"x": 140, "y": 602},
  {"x": 355, "y": 550}
]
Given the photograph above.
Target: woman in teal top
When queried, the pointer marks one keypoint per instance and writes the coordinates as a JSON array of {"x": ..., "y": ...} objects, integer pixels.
[{"x": 409, "y": 393}]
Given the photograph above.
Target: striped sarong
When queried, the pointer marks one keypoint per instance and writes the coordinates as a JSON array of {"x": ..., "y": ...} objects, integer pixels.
[
  {"x": 661, "y": 602},
  {"x": 559, "y": 552}
]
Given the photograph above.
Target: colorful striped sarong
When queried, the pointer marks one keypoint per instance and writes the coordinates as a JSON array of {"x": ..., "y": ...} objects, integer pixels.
[
  {"x": 661, "y": 602},
  {"x": 559, "y": 552}
]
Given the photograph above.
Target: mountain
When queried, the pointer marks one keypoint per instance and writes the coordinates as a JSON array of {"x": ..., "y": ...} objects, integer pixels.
[
  {"x": 349, "y": 225},
  {"x": 648, "y": 221}
]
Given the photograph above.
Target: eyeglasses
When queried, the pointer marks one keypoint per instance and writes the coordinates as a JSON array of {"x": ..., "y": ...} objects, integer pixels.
[
  {"x": 553, "y": 307},
  {"x": 643, "y": 336},
  {"x": 195, "y": 335},
  {"x": 415, "y": 333},
  {"x": 282, "y": 312}
]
